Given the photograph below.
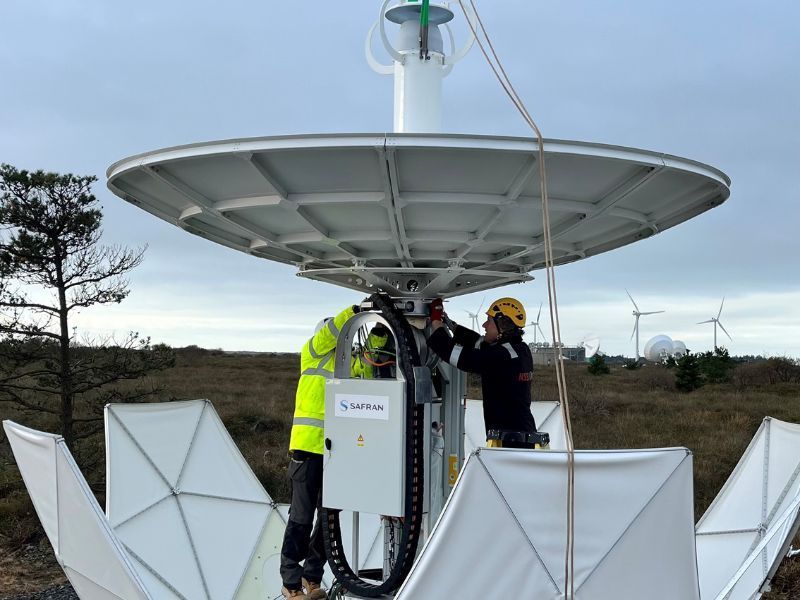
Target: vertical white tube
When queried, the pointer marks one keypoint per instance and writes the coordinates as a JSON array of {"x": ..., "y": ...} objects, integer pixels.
[
  {"x": 418, "y": 82},
  {"x": 418, "y": 94}
]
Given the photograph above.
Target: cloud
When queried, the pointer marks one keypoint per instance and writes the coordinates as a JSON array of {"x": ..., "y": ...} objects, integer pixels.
[{"x": 705, "y": 80}]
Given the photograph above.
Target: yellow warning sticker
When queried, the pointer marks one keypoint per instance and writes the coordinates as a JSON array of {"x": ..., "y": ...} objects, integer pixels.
[
  {"x": 360, "y": 440},
  {"x": 452, "y": 469}
]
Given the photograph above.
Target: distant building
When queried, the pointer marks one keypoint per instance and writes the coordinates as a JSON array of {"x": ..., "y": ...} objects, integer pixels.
[{"x": 545, "y": 354}]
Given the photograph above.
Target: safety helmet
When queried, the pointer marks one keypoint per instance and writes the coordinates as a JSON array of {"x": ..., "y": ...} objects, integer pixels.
[
  {"x": 510, "y": 307},
  {"x": 322, "y": 324}
]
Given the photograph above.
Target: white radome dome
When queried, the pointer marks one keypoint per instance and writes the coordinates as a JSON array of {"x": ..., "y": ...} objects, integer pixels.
[{"x": 658, "y": 347}]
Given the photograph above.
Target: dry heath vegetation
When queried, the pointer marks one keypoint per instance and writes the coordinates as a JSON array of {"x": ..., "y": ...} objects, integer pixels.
[{"x": 254, "y": 395}]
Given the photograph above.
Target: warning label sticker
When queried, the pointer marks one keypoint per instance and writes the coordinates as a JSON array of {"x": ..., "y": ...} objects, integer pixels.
[{"x": 356, "y": 406}]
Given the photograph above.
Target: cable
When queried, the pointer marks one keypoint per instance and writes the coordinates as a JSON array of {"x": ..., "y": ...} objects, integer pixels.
[
  {"x": 505, "y": 82},
  {"x": 376, "y": 364},
  {"x": 349, "y": 577}
]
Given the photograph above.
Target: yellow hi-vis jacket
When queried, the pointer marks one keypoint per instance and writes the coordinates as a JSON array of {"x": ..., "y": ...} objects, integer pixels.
[{"x": 316, "y": 365}]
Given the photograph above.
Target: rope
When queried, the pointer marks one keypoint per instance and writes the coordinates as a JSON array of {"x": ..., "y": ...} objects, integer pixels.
[{"x": 505, "y": 82}]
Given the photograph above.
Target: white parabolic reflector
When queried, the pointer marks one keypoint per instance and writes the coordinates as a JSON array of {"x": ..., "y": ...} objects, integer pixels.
[
  {"x": 415, "y": 215},
  {"x": 506, "y": 520}
]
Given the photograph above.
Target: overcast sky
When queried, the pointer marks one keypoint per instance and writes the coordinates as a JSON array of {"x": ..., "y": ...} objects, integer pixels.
[{"x": 87, "y": 83}]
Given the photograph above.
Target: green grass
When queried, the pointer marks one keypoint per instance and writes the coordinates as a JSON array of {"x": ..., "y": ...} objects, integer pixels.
[{"x": 254, "y": 395}]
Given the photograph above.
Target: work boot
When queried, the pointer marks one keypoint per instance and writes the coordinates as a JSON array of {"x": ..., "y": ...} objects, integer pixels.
[
  {"x": 293, "y": 594},
  {"x": 314, "y": 590}
]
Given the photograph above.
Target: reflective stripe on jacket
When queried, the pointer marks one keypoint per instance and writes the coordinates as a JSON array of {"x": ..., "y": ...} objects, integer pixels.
[{"x": 316, "y": 365}]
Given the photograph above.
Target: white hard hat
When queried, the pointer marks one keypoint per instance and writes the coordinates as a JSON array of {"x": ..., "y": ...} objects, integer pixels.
[{"x": 321, "y": 324}]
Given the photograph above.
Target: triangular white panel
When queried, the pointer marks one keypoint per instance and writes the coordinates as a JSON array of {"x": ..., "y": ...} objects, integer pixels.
[
  {"x": 86, "y": 588},
  {"x": 546, "y": 414},
  {"x": 84, "y": 534},
  {"x": 164, "y": 431},
  {"x": 214, "y": 452},
  {"x": 91, "y": 555},
  {"x": 262, "y": 578},
  {"x": 225, "y": 536},
  {"x": 35, "y": 453},
  {"x": 597, "y": 529},
  {"x": 673, "y": 508},
  {"x": 549, "y": 419},
  {"x": 202, "y": 537},
  {"x": 126, "y": 496},
  {"x": 512, "y": 504},
  {"x": 155, "y": 586},
  {"x": 478, "y": 548},
  {"x": 764, "y": 483},
  {"x": 159, "y": 539}
]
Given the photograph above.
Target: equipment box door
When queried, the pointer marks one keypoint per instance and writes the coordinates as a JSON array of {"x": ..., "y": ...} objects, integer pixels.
[{"x": 364, "y": 463}]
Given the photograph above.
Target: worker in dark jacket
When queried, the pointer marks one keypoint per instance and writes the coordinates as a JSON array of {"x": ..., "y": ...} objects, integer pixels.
[{"x": 500, "y": 356}]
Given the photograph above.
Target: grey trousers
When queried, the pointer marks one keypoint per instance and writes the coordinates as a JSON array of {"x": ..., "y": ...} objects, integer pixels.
[{"x": 301, "y": 542}]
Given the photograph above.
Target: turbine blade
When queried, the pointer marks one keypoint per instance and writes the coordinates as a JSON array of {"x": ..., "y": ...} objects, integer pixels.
[
  {"x": 634, "y": 330},
  {"x": 540, "y": 311},
  {"x": 481, "y": 306},
  {"x": 726, "y": 332},
  {"x": 720, "y": 307},
  {"x": 654, "y": 312},
  {"x": 632, "y": 300},
  {"x": 709, "y": 321},
  {"x": 542, "y": 332}
]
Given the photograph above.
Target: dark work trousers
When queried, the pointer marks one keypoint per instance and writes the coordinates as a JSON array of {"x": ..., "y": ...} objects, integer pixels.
[{"x": 300, "y": 543}]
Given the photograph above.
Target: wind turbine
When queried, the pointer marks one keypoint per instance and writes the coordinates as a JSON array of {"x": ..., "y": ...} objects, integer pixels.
[
  {"x": 536, "y": 325},
  {"x": 716, "y": 321},
  {"x": 474, "y": 316},
  {"x": 637, "y": 313}
]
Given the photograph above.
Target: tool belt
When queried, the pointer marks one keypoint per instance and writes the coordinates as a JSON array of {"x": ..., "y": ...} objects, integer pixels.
[{"x": 506, "y": 438}]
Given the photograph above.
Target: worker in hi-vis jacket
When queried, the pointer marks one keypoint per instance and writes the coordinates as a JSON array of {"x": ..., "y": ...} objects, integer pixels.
[
  {"x": 500, "y": 357},
  {"x": 301, "y": 543}
]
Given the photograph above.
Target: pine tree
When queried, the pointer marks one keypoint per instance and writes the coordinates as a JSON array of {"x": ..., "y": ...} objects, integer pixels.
[
  {"x": 598, "y": 366},
  {"x": 687, "y": 373},
  {"x": 52, "y": 265}
]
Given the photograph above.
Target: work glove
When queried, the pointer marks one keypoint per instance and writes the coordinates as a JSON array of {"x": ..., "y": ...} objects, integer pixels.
[
  {"x": 451, "y": 325},
  {"x": 437, "y": 310}
]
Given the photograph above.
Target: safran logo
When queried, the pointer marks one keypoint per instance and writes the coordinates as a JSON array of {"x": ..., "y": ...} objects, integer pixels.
[{"x": 356, "y": 406}]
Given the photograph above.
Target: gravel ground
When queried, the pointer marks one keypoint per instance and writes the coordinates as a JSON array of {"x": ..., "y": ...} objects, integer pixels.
[{"x": 59, "y": 592}]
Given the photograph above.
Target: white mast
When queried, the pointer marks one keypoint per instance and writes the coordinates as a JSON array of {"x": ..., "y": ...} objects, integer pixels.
[{"x": 420, "y": 63}]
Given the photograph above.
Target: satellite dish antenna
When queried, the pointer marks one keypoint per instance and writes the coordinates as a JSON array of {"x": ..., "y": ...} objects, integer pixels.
[
  {"x": 678, "y": 349},
  {"x": 591, "y": 344},
  {"x": 658, "y": 348}
]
